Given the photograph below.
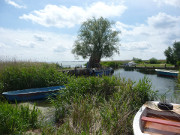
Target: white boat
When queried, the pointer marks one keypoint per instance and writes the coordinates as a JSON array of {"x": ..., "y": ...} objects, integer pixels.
[
  {"x": 167, "y": 73},
  {"x": 150, "y": 120}
]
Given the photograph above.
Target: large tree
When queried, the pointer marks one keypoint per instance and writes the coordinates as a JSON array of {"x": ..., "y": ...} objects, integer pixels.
[
  {"x": 96, "y": 39},
  {"x": 173, "y": 53}
]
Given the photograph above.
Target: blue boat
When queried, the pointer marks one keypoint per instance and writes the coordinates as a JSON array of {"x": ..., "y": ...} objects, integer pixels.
[
  {"x": 32, "y": 94},
  {"x": 167, "y": 73},
  {"x": 100, "y": 72}
]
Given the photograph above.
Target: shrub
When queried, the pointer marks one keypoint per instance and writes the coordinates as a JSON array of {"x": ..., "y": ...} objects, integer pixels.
[
  {"x": 137, "y": 60},
  {"x": 153, "y": 61}
]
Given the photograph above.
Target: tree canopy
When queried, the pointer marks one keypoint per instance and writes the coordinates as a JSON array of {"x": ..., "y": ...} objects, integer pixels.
[
  {"x": 96, "y": 39},
  {"x": 173, "y": 53}
]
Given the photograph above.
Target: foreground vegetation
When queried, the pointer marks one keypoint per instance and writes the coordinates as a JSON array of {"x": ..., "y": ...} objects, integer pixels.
[
  {"x": 104, "y": 105},
  {"x": 16, "y": 119},
  {"x": 90, "y": 105}
]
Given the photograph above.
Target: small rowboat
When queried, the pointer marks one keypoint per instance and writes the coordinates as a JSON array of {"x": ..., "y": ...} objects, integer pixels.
[
  {"x": 150, "y": 120},
  {"x": 32, "y": 94},
  {"x": 167, "y": 73}
]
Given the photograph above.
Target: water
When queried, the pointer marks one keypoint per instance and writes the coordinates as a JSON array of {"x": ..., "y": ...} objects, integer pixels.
[{"x": 162, "y": 84}]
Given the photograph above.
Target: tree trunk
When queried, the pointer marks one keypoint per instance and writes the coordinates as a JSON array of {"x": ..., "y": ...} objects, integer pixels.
[{"x": 94, "y": 61}]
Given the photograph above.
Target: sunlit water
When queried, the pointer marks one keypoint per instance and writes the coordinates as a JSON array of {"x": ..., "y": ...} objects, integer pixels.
[{"x": 162, "y": 84}]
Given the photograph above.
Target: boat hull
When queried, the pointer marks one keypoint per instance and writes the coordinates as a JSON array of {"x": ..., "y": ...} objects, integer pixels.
[
  {"x": 102, "y": 72},
  {"x": 167, "y": 73},
  {"x": 32, "y": 94}
]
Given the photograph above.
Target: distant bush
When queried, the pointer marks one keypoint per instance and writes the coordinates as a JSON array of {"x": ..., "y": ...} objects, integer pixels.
[
  {"x": 153, "y": 61},
  {"x": 16, "y": 119},
  {"x": 17, "y": 77},
  {"x": 137, "y": 60}
]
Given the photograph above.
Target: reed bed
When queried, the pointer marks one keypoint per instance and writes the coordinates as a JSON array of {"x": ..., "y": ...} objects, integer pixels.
[
  {"x": 22, "y": 75},
  {"x": 16, "y": 119},
  {"x": 104, "y": 105}
]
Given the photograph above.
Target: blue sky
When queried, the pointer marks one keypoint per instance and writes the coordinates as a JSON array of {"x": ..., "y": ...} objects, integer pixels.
[{"x": 46, "y": 30}]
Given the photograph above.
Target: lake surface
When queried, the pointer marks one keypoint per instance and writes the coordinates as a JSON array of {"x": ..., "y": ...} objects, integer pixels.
[{"x": 162, "y": 84}]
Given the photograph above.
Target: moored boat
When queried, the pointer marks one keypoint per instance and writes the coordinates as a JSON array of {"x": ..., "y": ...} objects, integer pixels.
[
  {"x": 167, "y": 73},
  {"x": 32, "y": 94},
  {"x": 100, "y": 72},
  {"x": 150, "y": 120}
]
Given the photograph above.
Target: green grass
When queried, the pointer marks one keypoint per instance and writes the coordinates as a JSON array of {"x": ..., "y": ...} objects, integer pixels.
[
  {"x": 16, "y": 119},
  {"x": 113, "y": 64},
  {"x": 143, "y": 63},
  {"x": 154, "y": 65}
]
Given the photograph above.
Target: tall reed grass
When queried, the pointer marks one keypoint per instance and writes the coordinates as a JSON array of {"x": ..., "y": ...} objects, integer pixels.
[
  {"x": 21, "y": 75},
  {"x": 16, "y": 119},
  {"x": 104, "y": 105}
]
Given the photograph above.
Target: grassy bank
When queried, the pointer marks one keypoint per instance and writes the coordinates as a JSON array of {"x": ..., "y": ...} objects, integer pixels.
[
  {"x": 143, "y": 63},
  {"x": 154, "y": 65}
]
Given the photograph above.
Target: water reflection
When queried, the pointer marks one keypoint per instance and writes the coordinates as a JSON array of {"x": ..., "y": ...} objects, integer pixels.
[{"x": 162, "y": 84}]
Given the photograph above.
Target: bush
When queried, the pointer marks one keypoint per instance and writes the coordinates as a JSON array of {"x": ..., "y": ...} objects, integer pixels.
[
  {"x": 137, "y": 60},
  {"x": 153, "y": 61}
]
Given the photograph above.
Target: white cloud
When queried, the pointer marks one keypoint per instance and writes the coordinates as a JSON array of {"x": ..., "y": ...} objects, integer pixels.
[
  {"x": 151, "y": 39},
  {"x": 136, "y": 46},
  {"x": 175, "y": 3},
  {"x": 10, "y": 2},
  {"x": 163, "y": 21},
  {"x": 61, "y": 16},
  {"x": 25, "y": 45}
]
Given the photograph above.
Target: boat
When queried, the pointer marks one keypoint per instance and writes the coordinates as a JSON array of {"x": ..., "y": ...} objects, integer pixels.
[
  {"x": 154, "y": 118},
  {"x": 167, "y": 73},
  {"x": 100, "y": 72},
  {"x": 32, "y": 94}
]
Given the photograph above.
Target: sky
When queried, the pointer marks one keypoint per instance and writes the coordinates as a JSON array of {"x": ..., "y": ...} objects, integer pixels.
[{"x": 46, "y": 30}]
